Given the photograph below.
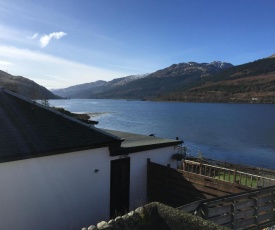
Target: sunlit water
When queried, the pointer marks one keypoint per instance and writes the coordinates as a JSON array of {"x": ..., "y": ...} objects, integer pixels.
[{"x": 240, "y": 133}]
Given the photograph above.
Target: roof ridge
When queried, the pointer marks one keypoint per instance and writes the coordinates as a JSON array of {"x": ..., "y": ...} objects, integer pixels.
[{"x": 59, "y": 113}]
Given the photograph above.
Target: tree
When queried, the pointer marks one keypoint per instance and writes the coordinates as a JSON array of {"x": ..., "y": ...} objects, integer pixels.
[{"x": 45, "y": 102}]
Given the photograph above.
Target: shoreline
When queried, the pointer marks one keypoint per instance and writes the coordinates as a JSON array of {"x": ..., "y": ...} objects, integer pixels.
[{"x": 173, "y": 101}]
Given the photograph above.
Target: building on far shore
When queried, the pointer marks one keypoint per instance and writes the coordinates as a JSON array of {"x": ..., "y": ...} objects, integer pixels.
[{"x": 57, "y": 172}]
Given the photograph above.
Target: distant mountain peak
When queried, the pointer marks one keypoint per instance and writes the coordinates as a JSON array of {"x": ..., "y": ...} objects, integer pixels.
[
  {"x": 221, "y": 64},
  {"x": 184, "y": 68}
]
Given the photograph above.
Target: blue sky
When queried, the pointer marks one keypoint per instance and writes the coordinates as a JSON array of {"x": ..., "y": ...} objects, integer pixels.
[{"x": 62, "y": 43}]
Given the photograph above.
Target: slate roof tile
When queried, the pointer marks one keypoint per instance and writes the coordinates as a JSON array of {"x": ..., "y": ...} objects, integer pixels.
[{"x": 28, "y": 129}]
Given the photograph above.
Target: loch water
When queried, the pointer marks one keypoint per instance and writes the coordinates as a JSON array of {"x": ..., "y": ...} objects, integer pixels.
[{"x": 239, "y": 133}]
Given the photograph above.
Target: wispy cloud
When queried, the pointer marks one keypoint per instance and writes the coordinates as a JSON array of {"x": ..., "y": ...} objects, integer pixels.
[
  {"x": 45, "y": 39},
  {"x": 60, "y": 72},
  {"x": 33, "y": 37},
  {"x": 9, "y": 34}
]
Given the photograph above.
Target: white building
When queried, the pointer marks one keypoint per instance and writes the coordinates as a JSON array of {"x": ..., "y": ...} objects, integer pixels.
[{"x": 59, "y": 173}]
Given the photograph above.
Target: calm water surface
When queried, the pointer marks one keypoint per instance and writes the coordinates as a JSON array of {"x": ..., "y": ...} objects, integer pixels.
[{"x": 240, "y": 133}]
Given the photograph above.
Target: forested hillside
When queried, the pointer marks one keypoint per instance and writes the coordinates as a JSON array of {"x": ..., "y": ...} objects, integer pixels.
[
  {"x": 250, "y": 83},
  {"x": 25, "y": 87}
]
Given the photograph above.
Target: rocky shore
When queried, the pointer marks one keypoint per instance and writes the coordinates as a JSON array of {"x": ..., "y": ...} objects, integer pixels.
[{"x": 85, "y": 117}]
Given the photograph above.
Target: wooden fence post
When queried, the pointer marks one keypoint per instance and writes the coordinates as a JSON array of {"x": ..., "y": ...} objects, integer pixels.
[
  {"x": 257, "y": 210},
  {"x": 148, "y": 183},
  {"x": 205, "y": 209},
  {"x": 234, "y": 214},
  {"x": 166, "y": 184},
  {"x": 234, "y": 176}
]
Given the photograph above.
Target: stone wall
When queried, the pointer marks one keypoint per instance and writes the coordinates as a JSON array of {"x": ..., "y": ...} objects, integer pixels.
[{"x": 156, "y": 216}]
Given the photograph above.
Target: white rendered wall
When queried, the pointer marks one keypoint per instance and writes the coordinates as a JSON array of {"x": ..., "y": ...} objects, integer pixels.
[
  {"x": 64, "y": 192},
  {"x": 55, "y": 192},
  {"x": 138, "y": 172}
]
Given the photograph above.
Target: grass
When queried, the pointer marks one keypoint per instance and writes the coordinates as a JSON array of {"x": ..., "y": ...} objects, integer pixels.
[{"x": 240, "y": 180}]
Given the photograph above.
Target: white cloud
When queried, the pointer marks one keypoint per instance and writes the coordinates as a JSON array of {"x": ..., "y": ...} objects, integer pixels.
[
  {"x": 51, "y": 71},
  {"x": 45, "y": 39},
  {"x": 33, "y": 37}
]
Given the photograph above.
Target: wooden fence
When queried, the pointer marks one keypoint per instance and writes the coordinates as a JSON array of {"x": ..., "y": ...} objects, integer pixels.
[
  {"x": 250, "y": 210},
  {"x": 243, "y": 168},
  {"x": 176, "y": 187},
  {"x": 227, "y": 174}
]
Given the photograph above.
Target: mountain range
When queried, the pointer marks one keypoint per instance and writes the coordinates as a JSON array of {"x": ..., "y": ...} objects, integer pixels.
[
  {"x": 97, "y": 87},
  {"x": 217, "y": 81},
  {"x": 148, "y": 86}
]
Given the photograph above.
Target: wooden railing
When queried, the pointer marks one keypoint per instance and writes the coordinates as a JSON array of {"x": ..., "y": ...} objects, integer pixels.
[
  {"x": 248, "y": 210},
  {"x": 227, "y": 174},
  {"x": 243, "y": 168}
]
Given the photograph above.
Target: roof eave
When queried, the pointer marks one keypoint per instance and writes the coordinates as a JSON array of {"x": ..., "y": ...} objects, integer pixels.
[
  {"x": 112, "y": 146},
  {"x": 141, "y": 148}
]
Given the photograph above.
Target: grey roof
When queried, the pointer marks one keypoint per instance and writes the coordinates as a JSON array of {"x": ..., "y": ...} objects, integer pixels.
[
  {"x": 28, "y": 129},
  {"x": 136, "y": 142}
]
